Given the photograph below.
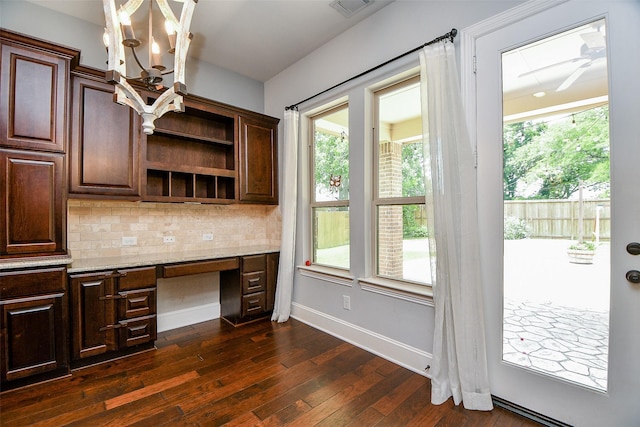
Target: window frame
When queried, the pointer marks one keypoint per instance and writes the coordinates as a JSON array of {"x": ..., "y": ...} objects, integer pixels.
[
  {"x": 326, "y": 110},
  {"x": 377, "y": 201}
]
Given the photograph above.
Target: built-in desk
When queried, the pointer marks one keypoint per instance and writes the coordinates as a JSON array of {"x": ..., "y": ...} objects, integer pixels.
[{"x": 247, "y": 275}]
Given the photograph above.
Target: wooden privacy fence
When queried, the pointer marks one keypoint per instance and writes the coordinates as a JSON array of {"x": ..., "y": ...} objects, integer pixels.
[
  {"x": 331, "y": 228},
  {"x": 558, "y": 219}
]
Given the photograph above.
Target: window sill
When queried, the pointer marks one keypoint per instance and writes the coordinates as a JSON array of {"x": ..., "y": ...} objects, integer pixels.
[
  {"x": 333, "y": 275},
  {"x": 420, "y": 294}
]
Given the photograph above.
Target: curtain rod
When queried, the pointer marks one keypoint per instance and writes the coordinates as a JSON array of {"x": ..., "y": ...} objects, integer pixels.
[{"x": 450, "y": 36}]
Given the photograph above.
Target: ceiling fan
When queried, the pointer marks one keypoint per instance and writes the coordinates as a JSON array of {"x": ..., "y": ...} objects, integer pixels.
[{"x": 593, "y": 49}]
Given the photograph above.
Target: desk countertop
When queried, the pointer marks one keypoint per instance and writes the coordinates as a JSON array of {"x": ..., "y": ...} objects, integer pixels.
[
  {"x": 80, "y": 265},
  {"x": 94, "y": 264}
]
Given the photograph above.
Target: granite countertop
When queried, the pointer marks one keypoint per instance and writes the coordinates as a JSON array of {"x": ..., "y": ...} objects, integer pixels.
[
  {"x": 111, "y": 263},
  {"x": 39, "y": 261}
]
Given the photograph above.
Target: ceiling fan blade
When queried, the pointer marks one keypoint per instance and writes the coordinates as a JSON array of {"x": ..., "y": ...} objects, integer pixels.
[
  {"x": 593, "y": 40},
  {"x": 537, "y": 70},
  {"x": 573, "y": 77}
]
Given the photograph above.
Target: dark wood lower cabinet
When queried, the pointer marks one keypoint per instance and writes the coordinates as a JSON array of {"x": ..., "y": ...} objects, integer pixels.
[
  {"x": 34, "y": 325},
  {"x": 112, "y": 311},
  {"x": 247, "y": 293}
]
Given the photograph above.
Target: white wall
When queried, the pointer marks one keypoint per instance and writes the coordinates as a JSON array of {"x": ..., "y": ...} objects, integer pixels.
[
  {"x": 203, "y": 79},
  {"x": 398, "y": 329}
]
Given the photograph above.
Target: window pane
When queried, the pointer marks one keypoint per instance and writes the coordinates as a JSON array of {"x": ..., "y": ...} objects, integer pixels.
[
  {"x": 331, "y": 236},
  {"x": 331, "y": 156},
  {"x": 400, "y": 157},
  {"x": 403, "y": 247}
]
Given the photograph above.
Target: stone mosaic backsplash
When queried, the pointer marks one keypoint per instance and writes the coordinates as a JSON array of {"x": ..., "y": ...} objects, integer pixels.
[{"x": 97, "y": 228}]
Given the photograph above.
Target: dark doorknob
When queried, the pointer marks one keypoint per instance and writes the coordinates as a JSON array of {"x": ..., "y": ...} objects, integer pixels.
[
  {"x": 633, "y": 248},
  {"x": 633, "y": 276}
]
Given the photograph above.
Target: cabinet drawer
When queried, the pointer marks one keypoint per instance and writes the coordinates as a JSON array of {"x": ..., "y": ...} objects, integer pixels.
[
  {"x": 253, "y": 282},
  {"x": 139, "y": 331},
  {"x": 137, "y": 303},
  {"x": 254, "y": 263},
  {"x": 253, "y": 304},
  {"x": 14, "y": 284},
  {"x": 187, "y": 268},
  {"x": 137, "y": 278}
]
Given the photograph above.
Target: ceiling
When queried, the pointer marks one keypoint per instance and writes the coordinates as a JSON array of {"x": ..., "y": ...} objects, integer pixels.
[
  {"x": 255, "y": 38},
  {"x": 570, "y": 68}
]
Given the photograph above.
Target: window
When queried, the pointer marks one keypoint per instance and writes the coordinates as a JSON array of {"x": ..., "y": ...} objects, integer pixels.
[
  {"x": 401, "y": 244},
  {"x": 330, "y": 187}
]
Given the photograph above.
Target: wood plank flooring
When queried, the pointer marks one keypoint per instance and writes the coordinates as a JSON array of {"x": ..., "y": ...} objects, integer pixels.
[{"x": 261, "y": 374}]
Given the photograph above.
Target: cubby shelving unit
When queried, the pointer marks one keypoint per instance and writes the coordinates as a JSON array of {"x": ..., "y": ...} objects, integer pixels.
[{"x": 191, "y": 157}]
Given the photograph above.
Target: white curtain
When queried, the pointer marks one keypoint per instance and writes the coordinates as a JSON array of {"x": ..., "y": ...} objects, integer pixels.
[
  {"x": 459, "y": 368},
  {"x": 288, "y": 203}
]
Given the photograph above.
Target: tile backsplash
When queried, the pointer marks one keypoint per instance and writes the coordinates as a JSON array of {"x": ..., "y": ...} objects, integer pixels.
[{"x": 96, "y": 228}]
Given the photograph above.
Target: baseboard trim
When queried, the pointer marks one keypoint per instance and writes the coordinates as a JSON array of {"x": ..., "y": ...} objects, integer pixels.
[
  {"x": 409, "y": 357},
  {"x": 527, "y": 413},
  {"x": 188, "y": 316}
]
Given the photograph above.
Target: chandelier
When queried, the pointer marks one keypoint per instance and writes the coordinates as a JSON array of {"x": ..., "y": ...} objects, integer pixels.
[{"x": 119, "y": 35}]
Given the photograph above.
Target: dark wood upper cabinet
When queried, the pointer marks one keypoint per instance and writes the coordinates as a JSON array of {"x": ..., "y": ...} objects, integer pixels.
[
  {"x": 34, "y": 92},
  {"x": 258, "y": 160},
  {"x": 32, "y": 203},
  {"x": 105, "y": 140}
]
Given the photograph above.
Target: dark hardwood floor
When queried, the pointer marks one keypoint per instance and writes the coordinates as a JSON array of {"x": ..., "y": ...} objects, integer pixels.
[{"x": 261, "y": 374}]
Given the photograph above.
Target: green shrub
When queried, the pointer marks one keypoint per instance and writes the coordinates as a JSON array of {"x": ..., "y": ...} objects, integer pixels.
[
  {"x": 583, "y": 246},
  {"x": 515, "y": 228}
]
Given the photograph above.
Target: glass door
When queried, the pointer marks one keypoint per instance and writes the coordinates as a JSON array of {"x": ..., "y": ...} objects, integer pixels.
[{"x": 554, "y": 149}]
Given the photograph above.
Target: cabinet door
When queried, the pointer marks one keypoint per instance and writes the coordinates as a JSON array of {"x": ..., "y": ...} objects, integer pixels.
[
  {"x": 105, "y": 136},
  {"x": 33, "y": 326},
  {"x": 92, "y": 306},
  {"x": 33, "y": 99},
  {"x": 32, "y": 203},
  {"x": 258, "y": 158}
]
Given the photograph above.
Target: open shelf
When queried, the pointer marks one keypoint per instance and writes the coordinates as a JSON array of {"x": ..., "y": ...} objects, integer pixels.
[
  {"x": 203, "y": 125},
  {"x": 191, "y": 157},
  {"x": 171, "y": 186}
]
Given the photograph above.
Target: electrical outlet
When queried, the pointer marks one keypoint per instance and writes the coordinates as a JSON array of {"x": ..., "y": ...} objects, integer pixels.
[
  {"x": 129, "y": 241},
  {"x": 207, "y": 236},
  {"x": 346, "y": 302},
  {"x": 169, "y": 239}
]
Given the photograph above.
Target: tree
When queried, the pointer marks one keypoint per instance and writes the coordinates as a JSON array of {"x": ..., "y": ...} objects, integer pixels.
[
  {"x": 412, "y": 170},
  {"x": 331, "y": 158},
  {"x": 550, "y": 160},
  {"x": 574, "y": 154},
  {"x": 519, "y": 156}
]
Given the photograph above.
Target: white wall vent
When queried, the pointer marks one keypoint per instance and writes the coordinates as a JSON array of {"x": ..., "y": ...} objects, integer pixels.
[{"x": 349, "y": 7}]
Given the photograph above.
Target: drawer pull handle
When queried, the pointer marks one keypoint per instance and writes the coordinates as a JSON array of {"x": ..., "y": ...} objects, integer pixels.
[
  {"x": 113, "y": 275},
  {"x": 110, "y": 327},
  {"x": 110, "y": 297}
]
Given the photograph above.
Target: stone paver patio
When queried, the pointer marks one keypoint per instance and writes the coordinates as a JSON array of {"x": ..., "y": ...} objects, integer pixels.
[{"x": 569, "y": 343}]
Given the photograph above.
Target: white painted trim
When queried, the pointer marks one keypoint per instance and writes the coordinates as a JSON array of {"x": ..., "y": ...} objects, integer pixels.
[
  {"x": 409, "y": 357},
  {"x": 188, "y": 316},
  {"x": 419, "y": 294},
  {"x": 468, "y": 37},
  {"x": 333, "y": 275}
]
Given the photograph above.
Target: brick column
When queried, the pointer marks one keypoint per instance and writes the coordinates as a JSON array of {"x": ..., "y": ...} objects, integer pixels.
[{"x": 390, "y": 217}]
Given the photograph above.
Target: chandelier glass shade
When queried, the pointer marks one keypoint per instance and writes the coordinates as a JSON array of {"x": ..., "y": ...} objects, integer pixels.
[{"x": 119, "y": 35}]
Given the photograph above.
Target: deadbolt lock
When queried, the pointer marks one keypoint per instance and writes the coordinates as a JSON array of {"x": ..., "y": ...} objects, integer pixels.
[{"x": 633, "y": 248}]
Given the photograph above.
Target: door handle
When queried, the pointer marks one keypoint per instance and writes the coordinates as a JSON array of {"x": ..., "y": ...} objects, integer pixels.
[{"x": 633, "y": 276}]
